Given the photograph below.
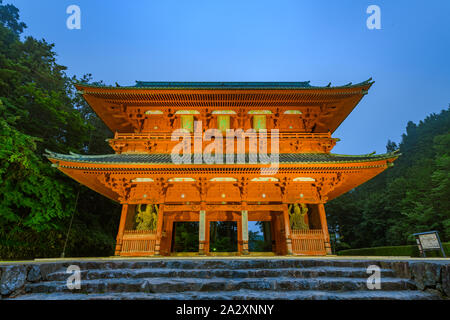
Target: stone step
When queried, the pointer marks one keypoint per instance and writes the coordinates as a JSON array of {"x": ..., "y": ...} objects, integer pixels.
[
  {"x": 241, "y": 295},
  {"x": 168, "y": 285},
  {"x": 205, "y": 264},
  {"x": 216, "y": 278},
  {"x": 221, "y": 273}
]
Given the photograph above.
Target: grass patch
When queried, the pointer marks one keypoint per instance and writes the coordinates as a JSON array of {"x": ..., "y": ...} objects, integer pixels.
[{"x": 409, "y": 251}]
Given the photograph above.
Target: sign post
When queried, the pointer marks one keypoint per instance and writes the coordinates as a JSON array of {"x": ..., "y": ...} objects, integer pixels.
[{"x": 427, "y": 241}]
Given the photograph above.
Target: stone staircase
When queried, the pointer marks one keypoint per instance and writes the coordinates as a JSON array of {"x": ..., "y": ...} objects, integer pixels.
[{"x": 211, "y": 278}]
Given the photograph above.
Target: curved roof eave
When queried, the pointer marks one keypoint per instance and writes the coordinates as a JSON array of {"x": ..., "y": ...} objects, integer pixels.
[{"x": 165, "y": 159}]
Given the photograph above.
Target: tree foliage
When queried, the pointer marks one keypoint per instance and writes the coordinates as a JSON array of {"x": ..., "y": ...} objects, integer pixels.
[
  {"x": 411, "y": 197},
  {"x": 40, "y": 109}
]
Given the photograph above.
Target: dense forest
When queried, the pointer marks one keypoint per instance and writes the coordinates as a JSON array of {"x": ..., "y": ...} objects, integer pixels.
[
  {"x": 40, "y": 109},
  {"x": 411, "y": 197}
]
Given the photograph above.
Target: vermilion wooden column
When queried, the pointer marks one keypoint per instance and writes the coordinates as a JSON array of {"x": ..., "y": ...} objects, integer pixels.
[
  {"x": 323, "y": 223},
  {"x": 202, "y": 232},
  {"x": 244, "y": 228},
  {"x": 123, "y": 219},
  {"x": 287, "y": 229},
  {"x": 207, "y": 243},
  {"x": 239, "y": 235},
  {"x": 159, "y": 226}
]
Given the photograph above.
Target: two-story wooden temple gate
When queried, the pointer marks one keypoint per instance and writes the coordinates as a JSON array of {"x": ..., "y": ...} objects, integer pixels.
[{"x": 156, "y": 192}]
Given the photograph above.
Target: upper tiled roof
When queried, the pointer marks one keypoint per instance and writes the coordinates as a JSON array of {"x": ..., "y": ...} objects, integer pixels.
[
  {"x": 230, "y": 85},
  {"x": 286, "y": 158}
]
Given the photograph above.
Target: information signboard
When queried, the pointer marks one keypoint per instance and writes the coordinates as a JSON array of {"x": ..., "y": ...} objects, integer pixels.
[{"x": 428, "y": 241}]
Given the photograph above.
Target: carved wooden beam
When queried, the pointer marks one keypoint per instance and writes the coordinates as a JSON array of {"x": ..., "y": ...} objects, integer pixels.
[
  {"x": 242, "y": 184},
  {"x": 119, "y": 184},
  {"x": 283, "y": 184},
  {"x": 327, "y": 184},
  {"x": 162, "y": 185},
  {"x": 202, "y": 186}
]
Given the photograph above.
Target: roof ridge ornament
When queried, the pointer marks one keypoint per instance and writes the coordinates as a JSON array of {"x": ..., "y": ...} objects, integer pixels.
[{"x": 74, "y": 154}]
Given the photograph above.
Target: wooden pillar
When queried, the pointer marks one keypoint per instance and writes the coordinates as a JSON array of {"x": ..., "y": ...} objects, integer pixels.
[
  {"x": 207, "y": 244},
  {"x": 123, "y": 219},
  {"x": 287, "y": 229},
  {"x": 323, "y": 222},
  {"x": 159, "y": 227},
  {"x": 202, "y": 232},
  {"x": 277, "y": 227},
  {"x": 239, "y": 234},
  {"x": 272, "y": 233},
  {"x": 244, "y": 228}
]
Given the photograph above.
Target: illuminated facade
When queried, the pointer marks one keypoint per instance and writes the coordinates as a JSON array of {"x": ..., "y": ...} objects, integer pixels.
[{"x": 156, "y": 193}]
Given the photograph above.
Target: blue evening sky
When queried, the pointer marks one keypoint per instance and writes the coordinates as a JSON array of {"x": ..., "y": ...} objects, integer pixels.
[{"x": 228, "y": 40}]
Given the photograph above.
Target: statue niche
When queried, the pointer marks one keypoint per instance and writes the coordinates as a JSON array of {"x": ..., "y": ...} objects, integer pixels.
[
  {"x": 146, "y": 217},
  {"x": 297, "y": 215}
]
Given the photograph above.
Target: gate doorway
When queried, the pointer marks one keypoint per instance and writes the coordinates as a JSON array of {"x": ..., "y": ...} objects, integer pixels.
[
  {"x": 223, "y": 237},
  {"x": 185, "y": 237},
  {"x": 260, "y": 236}
]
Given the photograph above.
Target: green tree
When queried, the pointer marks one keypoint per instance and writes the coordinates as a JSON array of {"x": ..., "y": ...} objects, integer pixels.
[
  {"x": 413, "y": 196},
  {"x": 9, "y": 18},
  {"x": 40, "y": 109}
]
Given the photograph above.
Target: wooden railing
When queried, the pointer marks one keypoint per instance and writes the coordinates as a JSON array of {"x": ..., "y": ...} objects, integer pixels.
[
  {"x": 138, "y": 242},
  {"x": 167, "y": 135},
  {"x": 308, "y": 242}
]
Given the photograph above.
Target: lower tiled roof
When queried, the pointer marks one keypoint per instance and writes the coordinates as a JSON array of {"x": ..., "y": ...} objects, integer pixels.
[{"x": 286, "y": 158}]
